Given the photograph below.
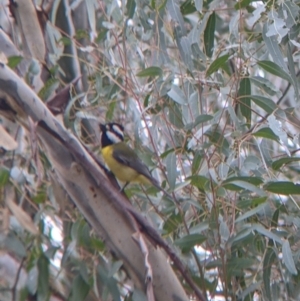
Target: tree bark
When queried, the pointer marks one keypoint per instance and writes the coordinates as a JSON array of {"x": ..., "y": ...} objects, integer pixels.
[{"x": 104, "y": 207}]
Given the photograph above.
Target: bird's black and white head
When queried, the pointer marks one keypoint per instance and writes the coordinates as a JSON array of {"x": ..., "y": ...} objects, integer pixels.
[{"x": 111, "y": 133}]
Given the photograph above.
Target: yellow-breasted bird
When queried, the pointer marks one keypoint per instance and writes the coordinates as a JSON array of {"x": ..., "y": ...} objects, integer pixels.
[{"x": 121, "y": 159}]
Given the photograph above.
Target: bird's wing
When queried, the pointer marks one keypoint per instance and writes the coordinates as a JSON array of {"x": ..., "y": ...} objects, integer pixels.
[
  {"x": 131, "y": 159},
  {"x": 122, "y": 154}
]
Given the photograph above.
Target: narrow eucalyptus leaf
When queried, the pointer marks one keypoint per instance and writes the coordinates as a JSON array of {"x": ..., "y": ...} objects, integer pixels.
[
  {"x": 173, "y": 7},
  {"x": 265, "y": 103},
  {"x": 177, "y": 95},
  {"x": 274, "y": 69},
  {"x": 283, "y": 187},
  {"x": 274, "y": 49},
  {"x": 287, "y": 257},
  {"x": 217, "y": 64},
  {"x": 245, "y": 99},
  {"x": 209, "y": 34},
  {"x": 251, "y": 212},
  {"x": 189, "y": 241},
  {"x": 130, "y": 7},
  {"x": 151, "y": 71},
  {"x": 276, "y": 165},
  {"x": 171, "y": 169},
  {"x": 268, "y": 261}
]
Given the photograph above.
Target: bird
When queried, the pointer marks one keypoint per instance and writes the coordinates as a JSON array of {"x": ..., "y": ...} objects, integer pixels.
[{"x": 122, "y": 160}]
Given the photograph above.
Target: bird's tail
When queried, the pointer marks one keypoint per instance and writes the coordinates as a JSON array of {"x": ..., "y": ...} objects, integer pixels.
[{"x": 156, "y": 184}]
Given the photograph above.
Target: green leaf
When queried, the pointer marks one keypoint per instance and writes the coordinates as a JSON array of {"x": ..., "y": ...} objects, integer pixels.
[
  {"x": 236, "y": 266},
  {"x": 269, "y": 259},
  {"x": 112, "y": 286},
  {"x": 177, "y": 95},
  {"x": 173, "y": 9},
  {"x": 264, "y": 84},
  {"x": 162, "y": 5},
  {"x": 14, "y": 61},
  {"x": 275, "y": 70},
  {"x": 251, "y": 212},
  {"x": 101, "y": 34},
  {"x": 266, "y": 232},
  {"x": 276, "y": 165},
  {"x": 209, "y": 34},
  {"x": 224, "y": 231},
  {"x": 199, "y": 119},
  {"x": 83, "y": 269},
  {"x": 65, "y": 41},
  {"x": 266, "y": 133},
  {"x": 274, "y": 48},
  {"x": 187, "y": 242},
  {"x": 151, "y": 71},
  {"x": 32, "y": 280},
  {"x": 114, "y": 90},
  {"x": 187, "y": 7},
  {"x": 146, "y": 100},
  {"x": 198, "y": 228},
  {"x": 51, "y": 251},
  {"x": 130, "y": 7},
  {"x": 217, "y": 263},
  {"x": 216, "y": 64},
  {"x": 217, "y": 138},
  {"x": 250, "y": 187},
  {"x": 185, "y": 50},
  {"x": 242, "y": 4},
  {"x": 265, "y": 103},
  {"x": 172, "y": 223},
  {"x": 237, "y": 185},
  {"x": 258, "y": 201},
  {"x": 110, "y": 110},
  {"x": 283, "y": 187},
  {"x": 202, "y": 118},
  {"x": 79, "y": 289},
  {"x": 81, "y": 33},
  {"x": 175, "y": 115},
  {"x": 199, "y": 181},
  {"x": 109, "y": 282},
  {"x": 199, "y": 5},
  {"x": 244, "y": 95},
  {"x": 171, "y": 169},
  {"x": 80, "y": 233},
  {"x": 43, "y": 279},
  {"x": 115, "y": 268},
  {"x": 196, "y": 162},
  {"x": 274, "y": 221},
  {"x": 49, "y": 88},
  {"x": 40, "y": 197},
  {"x": 97, "y": 244},
  {"x": 241, "y": 237},
  {"x": 4, "y": 177},
  {"x": 291, "y": 65},
  {"x": 252, "y": 180},
  {"x": 287, "y": 257},
  {"x": 245, "y": 204}
]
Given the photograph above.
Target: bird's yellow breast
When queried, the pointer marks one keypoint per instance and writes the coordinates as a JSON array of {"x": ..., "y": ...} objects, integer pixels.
[{"x": 122, "y": 172}]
